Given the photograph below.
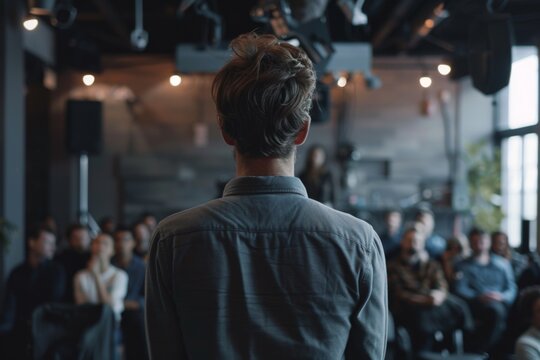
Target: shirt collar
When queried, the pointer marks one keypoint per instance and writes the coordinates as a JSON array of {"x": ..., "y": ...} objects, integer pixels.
[{"x": 246, "y": 185}]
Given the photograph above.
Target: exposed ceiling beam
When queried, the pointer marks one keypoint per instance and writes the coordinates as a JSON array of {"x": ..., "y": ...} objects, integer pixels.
[
  {"x": 112, "y": 17},
  {"x": 399, "y": 13}
]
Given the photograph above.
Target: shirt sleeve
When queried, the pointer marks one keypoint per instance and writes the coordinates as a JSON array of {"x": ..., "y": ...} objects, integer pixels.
[
  {"x": 368, "y": 335},
  {"x": 397, "y": 290},
  {"x": 439, "y": 281},
  {"x": 462, "y": 287},
  {"x": 165, "y": 339},
  {"x": 59, "y": 285},
  {"x": 118, "y": 292},
  {"x": 510, "y": 289},
  {"x": 78, "y": 289},
  {"x": 524, "y": 351}
]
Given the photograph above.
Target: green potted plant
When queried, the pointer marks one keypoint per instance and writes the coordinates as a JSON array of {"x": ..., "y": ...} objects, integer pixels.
[{"x": 484, "y": 180}]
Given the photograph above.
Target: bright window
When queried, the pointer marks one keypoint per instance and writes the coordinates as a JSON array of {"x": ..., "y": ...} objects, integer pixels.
[
  {"x": 520, "y": 150},
  {"x": 523, "y": 93},
  {"x": 520, "y": 171}
]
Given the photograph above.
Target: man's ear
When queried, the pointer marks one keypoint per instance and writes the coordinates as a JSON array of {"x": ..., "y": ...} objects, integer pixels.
[
  {"x": 303, "y": 134},
  {"x": 226, "y": 137}
]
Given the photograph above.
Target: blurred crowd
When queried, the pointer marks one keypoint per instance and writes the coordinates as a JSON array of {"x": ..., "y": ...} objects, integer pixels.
[
  {"x": 474, "y": 285},
  {"x": 79, "y": 273}
]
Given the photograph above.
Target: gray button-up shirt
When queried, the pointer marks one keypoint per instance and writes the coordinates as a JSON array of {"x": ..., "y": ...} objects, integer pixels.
[{"x": 266, "y": 273}]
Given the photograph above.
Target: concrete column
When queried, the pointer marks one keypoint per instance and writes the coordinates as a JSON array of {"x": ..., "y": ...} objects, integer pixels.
[{"x": 12, "y": 121}]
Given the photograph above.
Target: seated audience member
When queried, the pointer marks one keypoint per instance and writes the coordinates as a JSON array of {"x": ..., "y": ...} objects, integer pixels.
[
  {"x": 107, "y": 225},
  {"x": 500, "y": 246},
  {"x": 531, "y": 275},
  {"x": 142, "y": 236},
  {"x": 35, "y": 282},
  {"x": 528, "y": 344},
  {"x": 391, "y": 236},
  {"x": 419, "y": 293},
  {"x": 456, "y": 250},
  {"x": 317, "y": 178},
  {"x": 75, "y": 257},
  {"x": 486, "y": 281},
  {"x": 435, "y": 244},
  {"x": 50, "y": 223},
  {"x": 101, "y": 282},
  {"x": 133, "y": 316},
  {"x": 150, "y": 221}
]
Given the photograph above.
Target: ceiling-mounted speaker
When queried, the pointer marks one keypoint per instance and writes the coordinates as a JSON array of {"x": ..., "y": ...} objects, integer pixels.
[
  {"x": 84, "y": 127},
  {"x": 490, "y": 52}
]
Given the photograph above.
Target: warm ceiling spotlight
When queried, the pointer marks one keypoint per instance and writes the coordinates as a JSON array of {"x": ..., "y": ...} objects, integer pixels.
[
  {"x": 31, "y": 24},
  {"x": 88, "y": 79},
  {"x": 444, "y": 69},
  {"x": 175, "y": 80},
  {"x": 342, "y": 81},
  {"x": 429, "y": 23},
  {"x": 425, "y": 81}
]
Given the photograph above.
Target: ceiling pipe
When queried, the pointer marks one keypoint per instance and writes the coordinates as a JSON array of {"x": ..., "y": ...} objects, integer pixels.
[
  {"x": 113, "y": 18},
  {"x": 399, "y": 13},
  {"x": 424, "y": 24}
]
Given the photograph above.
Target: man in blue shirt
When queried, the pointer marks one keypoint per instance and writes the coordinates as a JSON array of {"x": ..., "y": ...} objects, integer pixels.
[
  {"x": 265, "y": 272},
  {"x": 487, "y": 283}
]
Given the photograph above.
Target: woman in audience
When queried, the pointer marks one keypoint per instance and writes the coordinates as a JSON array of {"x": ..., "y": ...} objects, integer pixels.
[
  {"x": 100, "y": 282},
  {"x": 316, "y": 177},
  {"x": 528, "y": 345},
  {"x": 500, "y": 246}
]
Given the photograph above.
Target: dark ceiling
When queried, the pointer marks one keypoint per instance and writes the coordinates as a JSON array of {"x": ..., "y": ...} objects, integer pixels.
[{"x": 394, "y": 26}]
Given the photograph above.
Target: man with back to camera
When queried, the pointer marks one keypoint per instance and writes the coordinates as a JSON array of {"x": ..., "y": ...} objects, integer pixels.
[{"x": 264, "y": 272}]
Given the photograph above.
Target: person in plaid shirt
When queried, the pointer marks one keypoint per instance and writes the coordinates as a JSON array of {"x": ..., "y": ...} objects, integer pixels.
[{"x": 419, "y": 295}]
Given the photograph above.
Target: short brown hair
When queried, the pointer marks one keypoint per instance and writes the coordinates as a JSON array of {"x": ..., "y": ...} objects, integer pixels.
[{"x": 263, "y": 95}]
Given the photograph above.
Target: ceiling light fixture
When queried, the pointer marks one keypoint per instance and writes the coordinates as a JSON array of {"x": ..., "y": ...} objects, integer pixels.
[
  {"x": 342, "y": 81},
  {"x": 444, "y": 69},
  {"x": 425, "y": 82},
  {"x": 175, "y": 80},
  {"x": 88, "y": 79}
]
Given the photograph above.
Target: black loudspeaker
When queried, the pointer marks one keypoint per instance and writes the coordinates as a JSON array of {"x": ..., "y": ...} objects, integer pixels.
[
  {"x": 320, "y": 109},
  {"x": 490, "y": 52},
  {"x": 84, "y": 127}
]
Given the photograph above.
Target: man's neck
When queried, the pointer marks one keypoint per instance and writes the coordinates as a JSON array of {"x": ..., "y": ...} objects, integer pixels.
[
  {"x": 34, "y": 260},
  {"x": 124, "y": 259},
  {"x": 482, "y": 258},
  {"x": 264, "y": 166}
]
